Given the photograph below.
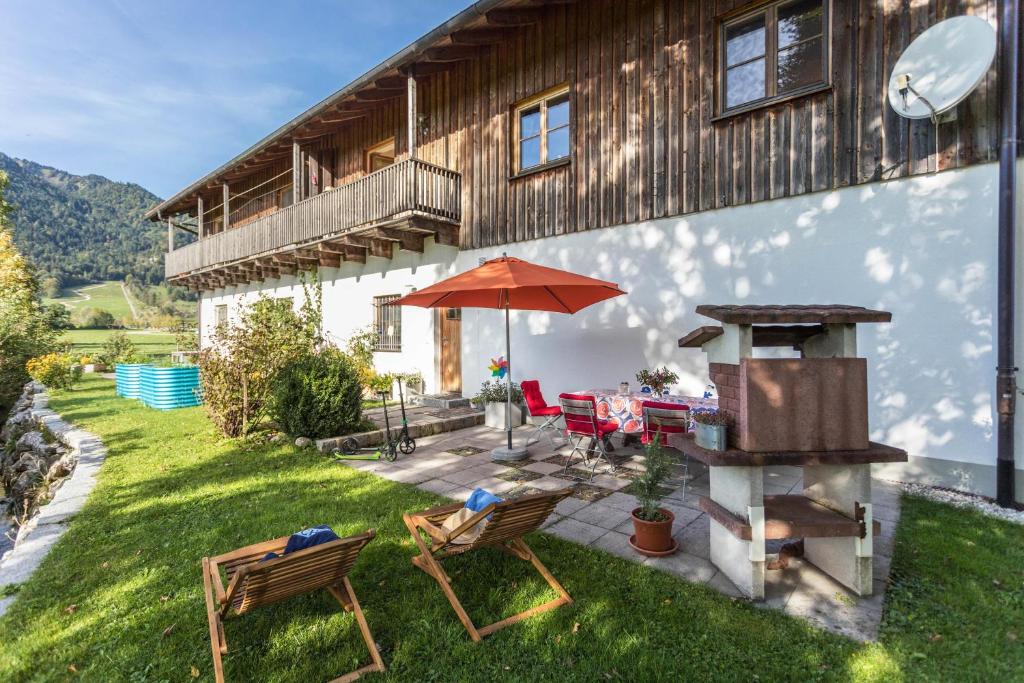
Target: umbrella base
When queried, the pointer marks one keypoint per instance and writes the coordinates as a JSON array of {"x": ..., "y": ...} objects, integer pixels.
[{"x": 514, "y": 453}]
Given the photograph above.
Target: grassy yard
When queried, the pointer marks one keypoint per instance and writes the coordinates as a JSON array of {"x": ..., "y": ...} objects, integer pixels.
[
  {"x": 106, "y": 295},
  {"x": 120, "y": 598},
  {"x": 88, "y": 342}
]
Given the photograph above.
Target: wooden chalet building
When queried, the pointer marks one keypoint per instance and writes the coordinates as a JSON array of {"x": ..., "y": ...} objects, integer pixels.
[{"x": 695, "y": 151}]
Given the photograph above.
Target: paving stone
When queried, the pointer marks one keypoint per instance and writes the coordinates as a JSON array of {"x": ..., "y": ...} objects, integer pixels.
[
  {"x": 576, "y": 531},
  {"x": 549, "y": 484},
  {"x": 695, "y": 538},
  {"x": 406, "y": 476},
  {"x": 542, "y": 467},
  {"x": 617, "y": 544},
  {"x": 621, "y": 501},
  {"x": 609, "y": 482},
  {"x": 553, "y": 518},
  {"x": 569, "y": 505},
  {"x": 690, "y": 567},
  {"x": 493, "y": 485},
  {"x": 438, "y": 486},
  {"x": 684, "y": 515},
  {"x": 601, "y": 515},
  {"x": 721, "y": 583}
]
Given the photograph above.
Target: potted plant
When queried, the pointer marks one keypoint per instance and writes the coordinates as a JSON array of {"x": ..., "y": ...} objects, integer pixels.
[
  {"x": 493, "y": 397},
  {"x": 653, "y": 524},
  {"x": 710, "y": 430},
  {"x": 658, "y": 379}
]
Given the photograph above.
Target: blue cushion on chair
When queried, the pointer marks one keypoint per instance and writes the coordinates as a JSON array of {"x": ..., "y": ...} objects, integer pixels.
[
  {"x": 480, "y": 499},
  {"x": 307, "y": 538}
]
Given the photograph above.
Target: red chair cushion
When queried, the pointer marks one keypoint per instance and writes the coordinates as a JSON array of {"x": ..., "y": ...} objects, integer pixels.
[
  {"x": 535, "y": 403},
  {"x": 651, "y": 430},
  {"x": 581, "y": 424}
]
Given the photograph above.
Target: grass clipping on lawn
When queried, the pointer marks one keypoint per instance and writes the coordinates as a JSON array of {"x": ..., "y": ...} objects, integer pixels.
[{"x": 120, "y": 597}]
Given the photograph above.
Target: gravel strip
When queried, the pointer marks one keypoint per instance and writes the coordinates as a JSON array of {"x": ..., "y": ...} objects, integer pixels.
[{"x": 963, "y": 500}]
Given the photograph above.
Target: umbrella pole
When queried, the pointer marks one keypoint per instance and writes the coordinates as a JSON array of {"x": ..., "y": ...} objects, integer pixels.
[{"x": 508, "y": 387}]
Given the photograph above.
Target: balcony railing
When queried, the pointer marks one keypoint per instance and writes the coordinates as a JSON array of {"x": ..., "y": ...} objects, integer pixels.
[{"x": 405, "y": 189}]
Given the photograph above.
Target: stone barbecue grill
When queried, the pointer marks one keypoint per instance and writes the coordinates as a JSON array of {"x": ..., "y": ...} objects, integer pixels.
[{"x": 810, "y": 412}]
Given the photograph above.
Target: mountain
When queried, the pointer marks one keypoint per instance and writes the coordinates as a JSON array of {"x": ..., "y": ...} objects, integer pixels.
[{"x": 83, "y": 228}]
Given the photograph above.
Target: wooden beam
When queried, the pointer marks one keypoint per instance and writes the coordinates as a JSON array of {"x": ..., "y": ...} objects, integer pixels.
[
  {"x": 374, "y": 247},
  {"x": 429, "y": 68},
  {"x": 296, "y": 172},
  {"x": 514, "y": 17},
  {"x": 447, "y": 235},
  {"x": 199, "y": 216},
  {"x": 452, "y": 53},
  {"x": 378, "y": 94},
  {"x": 390, "y": 82},
  {"x": 226, "y": 194},
  {"x": 410, "y": 115},
  {"x": 480, "y": 36},
  {"x": 170, "y": 235},
  {"x": 406, "y": 240}
]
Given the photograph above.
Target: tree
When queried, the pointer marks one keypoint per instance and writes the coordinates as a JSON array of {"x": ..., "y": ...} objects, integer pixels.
[
  {"x": 90, "y": 318},
  {"x": 239, "y": 368},
  {"x": 24, "y": 328},
  {"x": 58, "y": 317}
]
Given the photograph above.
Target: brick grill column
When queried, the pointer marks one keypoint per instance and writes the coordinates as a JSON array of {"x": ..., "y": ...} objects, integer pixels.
[{"x": 726, "y": 378}]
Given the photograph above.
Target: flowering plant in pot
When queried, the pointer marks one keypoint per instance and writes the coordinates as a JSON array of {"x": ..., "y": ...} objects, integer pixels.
[
  {"x": 710, "y": 430},
  {"x": 652, "y": 524},
  {"x": 658, "y": 379}
]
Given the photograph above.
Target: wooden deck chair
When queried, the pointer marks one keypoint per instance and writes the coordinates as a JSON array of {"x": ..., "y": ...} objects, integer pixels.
[
  {"x": 510, "y": 521},
  {"x": 252, "y": 584}
]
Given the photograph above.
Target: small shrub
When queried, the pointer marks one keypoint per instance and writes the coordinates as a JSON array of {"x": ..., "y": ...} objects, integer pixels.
[
  {"x": 238, "y": 370},
  {"x": 497, "y": 392},
  {"x": 648, "y": 487},
  {"x": 706, "y": 417},
  {"x": 360, "y": 350},
  {"x": 119, "y": 349},
  {"x": 55, "y": 370},
  {"x": 318, "y": 396},
  {"x": 91, "y": 318}
]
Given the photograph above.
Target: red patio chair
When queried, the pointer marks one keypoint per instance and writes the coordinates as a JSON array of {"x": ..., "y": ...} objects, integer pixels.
[
  {"x": 581, "y": 422},
  {"x": 666, "y": 419},
  {"x": 537, "y": 407}
]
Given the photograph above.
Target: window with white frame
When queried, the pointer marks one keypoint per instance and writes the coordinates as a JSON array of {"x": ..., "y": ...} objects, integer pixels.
[{"x": 220, "y": 316}]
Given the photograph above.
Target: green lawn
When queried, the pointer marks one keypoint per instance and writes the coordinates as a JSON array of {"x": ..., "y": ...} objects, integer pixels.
[
  {"x": 120, "y": 598},
  {"x": 106, "y": 295},
  {"x": 89, "y": 342}
]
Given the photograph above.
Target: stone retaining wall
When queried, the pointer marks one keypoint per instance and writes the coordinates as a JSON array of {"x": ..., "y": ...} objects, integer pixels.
[{"x": 83, "y": 457}]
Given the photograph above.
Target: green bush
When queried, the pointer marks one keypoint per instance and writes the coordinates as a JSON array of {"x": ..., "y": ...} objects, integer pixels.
[
  {"x": 55, "y": 370},
  {"x": 119, "y": 349},
  {"x": 89, "y": 318},
  {"x": 318, "y": 396}
]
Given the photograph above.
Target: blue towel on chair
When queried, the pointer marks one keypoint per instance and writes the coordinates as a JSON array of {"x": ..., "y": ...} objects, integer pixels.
[
  {"x": 307, "y": 538},
  {"x": 480, "y": 499}
]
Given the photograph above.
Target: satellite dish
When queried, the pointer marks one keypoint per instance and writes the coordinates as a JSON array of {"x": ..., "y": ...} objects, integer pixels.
[{"x": 941, "y": 67}]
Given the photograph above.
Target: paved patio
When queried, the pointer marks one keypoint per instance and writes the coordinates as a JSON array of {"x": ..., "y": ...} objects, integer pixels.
[{"x": 598, "y": 514}]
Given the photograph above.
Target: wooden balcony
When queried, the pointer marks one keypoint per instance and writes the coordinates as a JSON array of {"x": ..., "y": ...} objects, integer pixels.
[{"x": 397, "y": 206}]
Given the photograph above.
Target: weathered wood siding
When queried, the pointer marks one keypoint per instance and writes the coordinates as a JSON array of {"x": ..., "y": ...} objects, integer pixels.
[{"x": 645, "y": 141}]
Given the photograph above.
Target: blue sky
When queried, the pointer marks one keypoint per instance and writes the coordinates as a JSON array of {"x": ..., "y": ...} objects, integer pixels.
[{"x": 159, "y": 93}]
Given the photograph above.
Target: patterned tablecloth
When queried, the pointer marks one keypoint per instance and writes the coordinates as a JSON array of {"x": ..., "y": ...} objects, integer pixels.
[{"x": 626, "y": 409}]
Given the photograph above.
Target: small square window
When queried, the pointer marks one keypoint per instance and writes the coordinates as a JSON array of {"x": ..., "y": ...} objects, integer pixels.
[
  {"x": 542, "y": 129},
  {"x": 220, "y": 316},
  {"x": 776, "y": 51}
]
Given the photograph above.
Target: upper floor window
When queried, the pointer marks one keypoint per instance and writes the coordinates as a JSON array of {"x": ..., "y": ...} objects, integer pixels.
[
  {"x": 387, "y": 323},
  {"x": 542, "y": 129},
  {"x": 775, "y": 51}
]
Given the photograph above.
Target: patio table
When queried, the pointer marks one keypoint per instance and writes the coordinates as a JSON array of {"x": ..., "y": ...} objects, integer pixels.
[{"x": 626, "y": 410}]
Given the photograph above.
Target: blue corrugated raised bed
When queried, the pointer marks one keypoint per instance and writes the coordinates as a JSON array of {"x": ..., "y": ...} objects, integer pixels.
[
  {"x": 126, "y": 379},
  {"x": 165, "y": 388}
]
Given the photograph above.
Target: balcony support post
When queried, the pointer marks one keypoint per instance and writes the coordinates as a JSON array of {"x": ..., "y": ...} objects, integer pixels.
[
  {"x": 170, "y": 235},
  {"x": 411, "y": 115},
  {"x": 227, "y": 205},
  {"x": 199, "y": 217},
  {"x": 297, "y": 168}
]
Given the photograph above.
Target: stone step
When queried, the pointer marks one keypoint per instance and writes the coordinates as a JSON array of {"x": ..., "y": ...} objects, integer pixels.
[
  {"x": 419, "y": 426},
  {"x": 442, "y": 401}
]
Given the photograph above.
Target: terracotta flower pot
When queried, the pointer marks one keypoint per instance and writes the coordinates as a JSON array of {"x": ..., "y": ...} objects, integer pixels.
[{"x": 653, "y": 538}]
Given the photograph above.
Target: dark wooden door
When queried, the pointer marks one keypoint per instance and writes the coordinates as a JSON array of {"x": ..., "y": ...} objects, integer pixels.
[{"x": 451, "y": 349}]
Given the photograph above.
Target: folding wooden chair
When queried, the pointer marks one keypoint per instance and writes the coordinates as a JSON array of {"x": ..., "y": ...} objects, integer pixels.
[
  {"x": 510, "y": 521},
  {"x": 252, "y": 584}
]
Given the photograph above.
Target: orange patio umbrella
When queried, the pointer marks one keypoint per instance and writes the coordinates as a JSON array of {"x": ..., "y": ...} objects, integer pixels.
[{"x": 509, "y": 283}]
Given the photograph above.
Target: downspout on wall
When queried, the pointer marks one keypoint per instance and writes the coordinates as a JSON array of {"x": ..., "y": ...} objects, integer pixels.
[{"x": 1006, "y": 371}]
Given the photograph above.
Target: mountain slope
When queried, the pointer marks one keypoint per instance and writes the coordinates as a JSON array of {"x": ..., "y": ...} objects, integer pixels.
[{"x": 83, "y": 228}]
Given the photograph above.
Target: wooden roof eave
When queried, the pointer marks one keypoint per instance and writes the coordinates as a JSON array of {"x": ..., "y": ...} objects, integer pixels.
[{"x": 403, "y": 58}]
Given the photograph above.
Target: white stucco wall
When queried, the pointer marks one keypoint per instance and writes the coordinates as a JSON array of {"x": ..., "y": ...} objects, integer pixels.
[{"x": 923, "y": 248}]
